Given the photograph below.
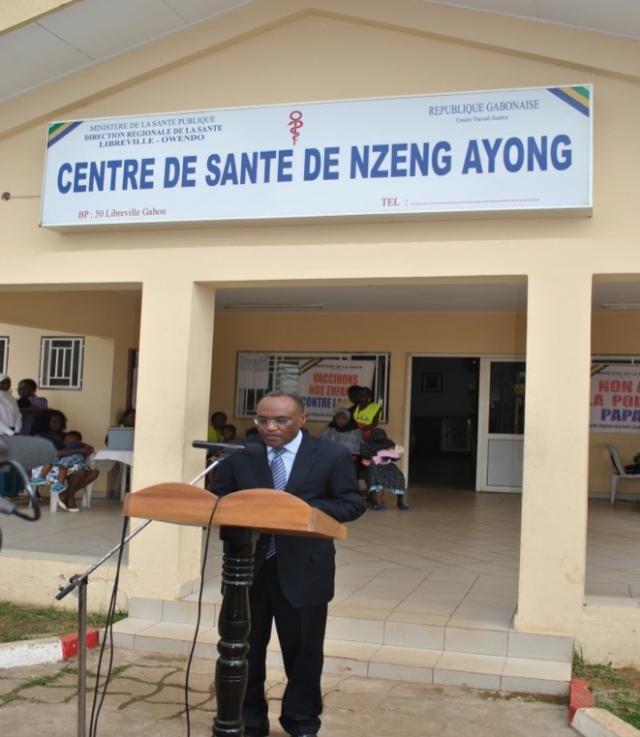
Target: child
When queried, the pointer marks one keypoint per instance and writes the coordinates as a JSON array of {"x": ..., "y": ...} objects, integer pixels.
[
  {"x": 379, "y": 455},
  {"x": 229, "y": 433},
  {"x": 72, "y": 441}
]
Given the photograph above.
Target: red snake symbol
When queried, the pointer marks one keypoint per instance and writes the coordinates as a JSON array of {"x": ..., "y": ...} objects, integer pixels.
[{"x": 295, "y": 123}]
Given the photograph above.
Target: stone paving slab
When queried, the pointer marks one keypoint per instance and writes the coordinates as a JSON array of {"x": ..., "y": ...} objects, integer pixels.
[{"x": 147, "y": 694}]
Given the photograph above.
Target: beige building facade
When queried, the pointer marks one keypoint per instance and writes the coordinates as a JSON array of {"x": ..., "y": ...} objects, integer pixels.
[{"x": 154, "y": 289}]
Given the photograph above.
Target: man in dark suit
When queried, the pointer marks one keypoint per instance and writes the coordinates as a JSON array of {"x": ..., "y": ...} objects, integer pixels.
[{"x": 294, "y": 576}]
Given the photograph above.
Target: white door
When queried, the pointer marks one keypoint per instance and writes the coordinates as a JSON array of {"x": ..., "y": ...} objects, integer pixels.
[{"x": 501, "y": 424}]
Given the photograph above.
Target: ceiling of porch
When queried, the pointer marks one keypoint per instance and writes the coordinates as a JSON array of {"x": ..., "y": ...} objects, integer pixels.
[
  {"x": 87, "y": 32},
  {"x": 439, "y": 297}
]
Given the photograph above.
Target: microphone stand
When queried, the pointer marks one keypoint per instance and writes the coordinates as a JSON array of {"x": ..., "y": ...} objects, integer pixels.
[{"x": 80, "y": 582}]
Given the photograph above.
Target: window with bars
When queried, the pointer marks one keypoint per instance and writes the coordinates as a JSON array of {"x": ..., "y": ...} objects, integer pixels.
[
  {"x": 61, "y": 363},
  {"x": 284, "y": 370},
  {"x": 4, "y": 354}
]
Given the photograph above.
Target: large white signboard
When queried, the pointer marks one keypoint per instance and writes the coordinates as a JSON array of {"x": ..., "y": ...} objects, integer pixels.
[
  {"x": 615, "y": 398},
  {"x": 508, "y": 150}
]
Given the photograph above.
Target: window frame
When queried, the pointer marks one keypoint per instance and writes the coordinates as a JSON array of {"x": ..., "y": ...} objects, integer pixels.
[
  {"x": 4, "y": 353},
  {"x": 64, "y": 378}
]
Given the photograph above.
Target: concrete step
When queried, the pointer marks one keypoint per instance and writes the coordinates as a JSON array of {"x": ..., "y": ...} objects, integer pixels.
[{"x": 485, "y": 658}]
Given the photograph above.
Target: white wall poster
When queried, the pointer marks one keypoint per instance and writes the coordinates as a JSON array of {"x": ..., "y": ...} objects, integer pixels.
[
  {"x": 322, "y": 383},
  {"x": 615, "y": 398}
]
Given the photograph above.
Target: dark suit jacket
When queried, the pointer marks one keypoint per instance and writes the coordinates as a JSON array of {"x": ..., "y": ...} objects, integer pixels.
[{"x": 323, "y": 475}]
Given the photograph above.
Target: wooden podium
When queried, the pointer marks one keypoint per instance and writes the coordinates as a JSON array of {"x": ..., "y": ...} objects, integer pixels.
[{"x": 241, "y": 517}]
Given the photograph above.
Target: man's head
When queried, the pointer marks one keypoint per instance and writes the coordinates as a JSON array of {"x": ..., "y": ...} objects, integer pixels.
[
  {"x": 353, "y": 393},
  {"x": 218, "y": 420},
  {"x": 364, "y": 395},
  {"x": 27, "y": 388},
  {"x": 280, "y": 416}
]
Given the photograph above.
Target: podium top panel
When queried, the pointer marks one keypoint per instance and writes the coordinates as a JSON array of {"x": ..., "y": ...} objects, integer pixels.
[{"x": 266, "y": 510}]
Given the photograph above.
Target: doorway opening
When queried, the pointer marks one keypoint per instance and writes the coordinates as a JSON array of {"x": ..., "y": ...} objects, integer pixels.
[{"x": 444, "y": 422}]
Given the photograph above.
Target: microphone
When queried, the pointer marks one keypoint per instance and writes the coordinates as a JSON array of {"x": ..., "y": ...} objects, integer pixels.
[
  {"x": 27, "y": 451},
  {"x": 249, "y": 449}
]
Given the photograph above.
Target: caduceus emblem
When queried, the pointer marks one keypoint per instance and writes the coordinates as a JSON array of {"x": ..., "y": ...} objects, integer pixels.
[{"x": 295, "y": 123}]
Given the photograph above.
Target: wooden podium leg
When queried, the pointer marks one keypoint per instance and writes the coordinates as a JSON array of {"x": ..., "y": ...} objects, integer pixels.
[{"x": 234, "y": 624}]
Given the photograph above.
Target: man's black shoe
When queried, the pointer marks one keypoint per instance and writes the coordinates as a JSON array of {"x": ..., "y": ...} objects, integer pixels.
[{"x": 261, "y": 731}]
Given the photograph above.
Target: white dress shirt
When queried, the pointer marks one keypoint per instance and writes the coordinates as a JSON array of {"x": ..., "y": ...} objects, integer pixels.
[{"x": 289, "y": 456}]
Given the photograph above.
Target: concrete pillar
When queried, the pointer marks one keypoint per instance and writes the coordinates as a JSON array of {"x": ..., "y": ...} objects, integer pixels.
[
  {"x": 556, "y": 453},
  {"x": 174, "y": 376}
]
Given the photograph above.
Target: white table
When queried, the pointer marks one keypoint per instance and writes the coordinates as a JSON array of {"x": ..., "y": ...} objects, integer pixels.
[{"x": 104, "y": 459}]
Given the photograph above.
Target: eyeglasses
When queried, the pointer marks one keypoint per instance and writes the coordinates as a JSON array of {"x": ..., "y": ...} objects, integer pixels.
[{"x": 277, "y": 421}]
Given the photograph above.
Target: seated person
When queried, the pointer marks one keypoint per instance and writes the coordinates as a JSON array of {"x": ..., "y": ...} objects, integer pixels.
[
  {"x": 10, "y": 417},
  {"x": 214, "y": 431},
  {"x": 380, "y": 454},
  {"x": 29, "y": 404},
  {"x": 52, "y": 424},
  {"x": 366, "y": 413},
  {"x": 128, "y": 418},
  {"x": 344, "y": 430},
  {"x": 72, "y": 441}
]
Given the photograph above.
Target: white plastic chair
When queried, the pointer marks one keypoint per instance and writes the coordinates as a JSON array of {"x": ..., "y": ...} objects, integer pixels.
[
  {"x": 618, "y": 472},
  {"x": 53, "y": 498}
]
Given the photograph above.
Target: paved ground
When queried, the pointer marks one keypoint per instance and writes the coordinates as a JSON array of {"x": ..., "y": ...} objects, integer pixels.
[{"x": 147, "y": 697}]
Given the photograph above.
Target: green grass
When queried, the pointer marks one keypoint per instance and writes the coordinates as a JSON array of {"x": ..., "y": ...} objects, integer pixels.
[
  {"x": 26, "y": 622},
  {"x": 625, "y": 705},
  {"x": 43, "y": 680},
  {"x": 584, "y": 670},
  {"x": 615, "y": 689},
  {"x": 8, "y": 698}
]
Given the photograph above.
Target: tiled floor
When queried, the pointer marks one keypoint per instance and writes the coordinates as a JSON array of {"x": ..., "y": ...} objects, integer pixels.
[{"x": 451, "y": 560}]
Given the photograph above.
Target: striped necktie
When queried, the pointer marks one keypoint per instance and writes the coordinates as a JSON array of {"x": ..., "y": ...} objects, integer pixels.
[{"x": 279, "y": 479}]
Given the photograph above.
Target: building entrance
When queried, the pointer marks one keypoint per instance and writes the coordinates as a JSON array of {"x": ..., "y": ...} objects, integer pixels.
[{"x": 444, "y": 422}]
